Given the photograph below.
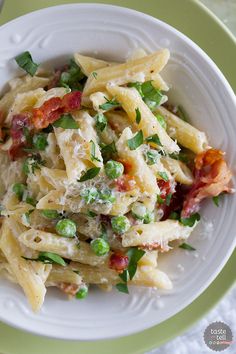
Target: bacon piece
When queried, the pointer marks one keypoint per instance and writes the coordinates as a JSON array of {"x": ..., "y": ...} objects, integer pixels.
[
  {"x": 118, "y": 262},
  {"x": 125, "y": 183},
  {"x": 69, "y": 288},
  {"x": 71, "y": 101},
  {"x": 19, "y": 122},
  {"x": 53, "y": 108},
  {"x": 212, "y": 177},
  {"x": 127, "y": 165}
]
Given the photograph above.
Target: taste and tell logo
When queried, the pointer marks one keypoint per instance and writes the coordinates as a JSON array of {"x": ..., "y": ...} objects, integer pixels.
[{"x": 218, "y": 336}]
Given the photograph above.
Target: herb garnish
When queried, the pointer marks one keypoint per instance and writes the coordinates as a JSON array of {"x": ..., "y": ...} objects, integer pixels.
[
  {"x": 136, "y": 141},
  {"x": 190, "y": 221},
  {"x": 101, "y": 121},
  {"x": 164, "y": 176},
  {"x": 66, "y": 121},
  {"x": 138, "y": 115},
  {"x": 89, "y": 174},
  {"x": 188, "y": 247},
  {"x": 93, "y": 152},
  {"x": 25, "y": 62},
  {"x": 109, "y": 104},
  {"x": 48, "y": 258},
  {"x": 154, "y": 139}
]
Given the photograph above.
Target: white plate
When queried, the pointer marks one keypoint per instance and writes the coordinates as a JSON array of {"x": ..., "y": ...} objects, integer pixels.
[{"x": 109, "y": 32}]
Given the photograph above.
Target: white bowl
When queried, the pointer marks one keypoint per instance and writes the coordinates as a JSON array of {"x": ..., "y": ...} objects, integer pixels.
[{"x": 110, "y": 32}]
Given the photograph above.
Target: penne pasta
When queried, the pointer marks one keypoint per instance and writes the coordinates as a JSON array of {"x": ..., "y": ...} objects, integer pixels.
[
  {"x": 186, "y": 135},
  {"x": 130, "y": 71},
  {"x": 130, "y": 100}
]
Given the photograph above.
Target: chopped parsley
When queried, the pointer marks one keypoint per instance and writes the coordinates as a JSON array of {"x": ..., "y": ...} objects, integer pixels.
[
  {"x": 136, "y": 141},
  {"x": 93, "y": 152},
  {"x": 66, "y": 121},
  {"x": 190, "y": 221},
  {"x": 95, "y": 74},
  {"x": 154, "y": 139},
  {"x": 122, "y": 287},
  {"x": 186, "y": 246},
  {"x": 164, "y": 176},
  {"x": 101, "y": 121},
  {"x": 108, "y": 151},
  {"x": 25, "y": 62},
  {"x": 72, "y": 77},
  {"x": 48, "y": 258},
  {"x": 89, "y": 174},
  {"x": 109, "y": 104},
  {"x": 181, "y": 114},
  {"x": 216, "y": 200},
  {"x": 168, "y": 199},
  {"x": 138, "y": 115},
  {"x": 150, "y": 95}
]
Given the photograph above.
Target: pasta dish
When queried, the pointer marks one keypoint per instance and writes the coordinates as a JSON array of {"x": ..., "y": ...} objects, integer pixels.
[{"x": 99, "y": 175}]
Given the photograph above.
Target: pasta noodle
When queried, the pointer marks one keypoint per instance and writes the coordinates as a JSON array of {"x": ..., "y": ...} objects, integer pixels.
[{"x": 97, "y": 177}]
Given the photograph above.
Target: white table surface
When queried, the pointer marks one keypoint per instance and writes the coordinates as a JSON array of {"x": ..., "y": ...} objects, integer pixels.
[{"x": 192, "y": 341}]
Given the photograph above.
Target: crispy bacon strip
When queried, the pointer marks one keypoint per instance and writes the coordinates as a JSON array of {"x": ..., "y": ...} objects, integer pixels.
[
  {"x": 118, "y": 262},
  {"x": 52, "y": 109},
  {"x": 212, "y": 177},
  {"x": 125, "y": 183},
  {"x": 69, "y": 288},
  {"x": 19, "y": 123}
]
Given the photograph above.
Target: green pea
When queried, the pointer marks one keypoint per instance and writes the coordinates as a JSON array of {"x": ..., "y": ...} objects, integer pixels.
[
  {"x": 120, "y": 224},
  {"x": 40, "y": 141},
  {"x": 99, "y": 246},
  {"x": 113, "y": 169},
  {"x": 50, "y": 214},
  {"x": 66, "y": 228},
  {"x": 139, "y": 210},
  {"x": 106, "y": 195},
  {"x": 19, "y": 189},
  {"x": 82, "y": 293},
  {"x": 90, "y": 195}
]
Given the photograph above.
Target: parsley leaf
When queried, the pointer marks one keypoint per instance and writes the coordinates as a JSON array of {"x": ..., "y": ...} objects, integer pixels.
[
  {"x": 137, "y": 85},
  {"x": 48, "y": 258},
  {"x": 161, "y": 121},
  {"x": 71, "y": 77},
  {"x": 163, "y": 175},
  {"x": 168, "y": 199},
  {"x": 154, "y": 139},
  {"x": 136, "y": 141},
  {"x": 25, "y": 62},
  {"x": 160, "y": 200},
  {"x": 109, "y": 104},
  {"x": 188, "y": 247},
  {"x": 66, "y": 121},
  {"x": 93, "y": 152},
  {"x": 89, "y": 174},
  {"x": 174, "y": 215},
  {"x": 122, "y": 287},
  {"x": 150, "y": 95},
  {"x": 216, "y": 200},
  {"x": 190, "y": 221},
  {"x": 95, "y": 74},
  {"x": 108, "y": 151},
  {"x": 138, "y": 115},
  {"x": 134, "y": 255},
  {"x": 101, "y": 121},
  {"x": 181, "y": 114},
  {"x": 124, "y": 275}
]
